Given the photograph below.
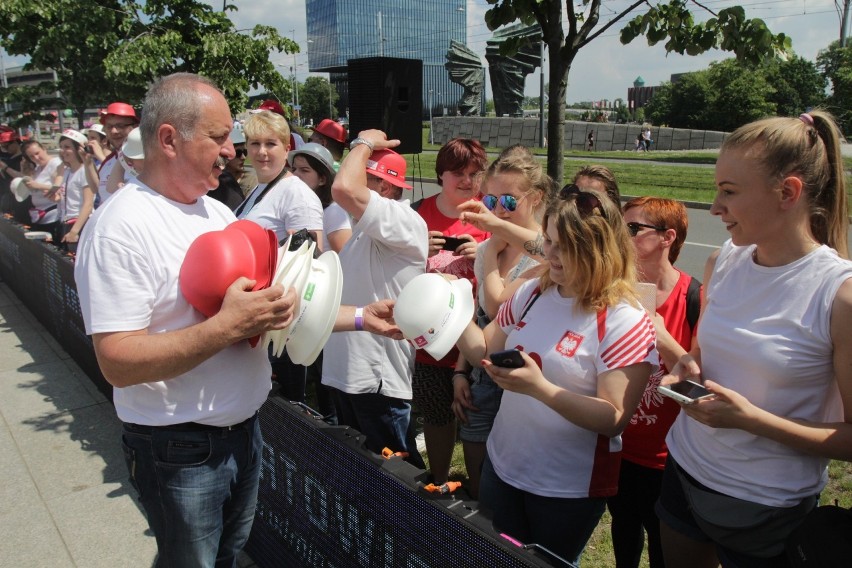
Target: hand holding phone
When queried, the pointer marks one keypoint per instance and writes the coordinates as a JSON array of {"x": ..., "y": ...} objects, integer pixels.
[
  {"x": 511, "y": 359},
  {"x": 685, "y": 392},
  {"x": 452, "y": 243}
]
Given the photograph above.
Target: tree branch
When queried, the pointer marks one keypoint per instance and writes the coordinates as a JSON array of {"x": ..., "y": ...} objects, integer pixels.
[
  {"x": 700, "y": 5},
  {"x": 610, "y": 23}
]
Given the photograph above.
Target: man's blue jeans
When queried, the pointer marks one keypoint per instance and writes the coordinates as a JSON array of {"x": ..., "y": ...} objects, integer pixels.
[
  {"x": 384, "y": 420},
  {"x": 198, "y": 488}
]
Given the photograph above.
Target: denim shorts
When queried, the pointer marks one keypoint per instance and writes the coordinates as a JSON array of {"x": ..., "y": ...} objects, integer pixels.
[{"x": 486, "y": 397}]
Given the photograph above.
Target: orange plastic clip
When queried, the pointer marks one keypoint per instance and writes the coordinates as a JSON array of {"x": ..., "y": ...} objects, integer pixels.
[
  {"x": 444, "y": 488},
  {"x": 387, "y": 453}
]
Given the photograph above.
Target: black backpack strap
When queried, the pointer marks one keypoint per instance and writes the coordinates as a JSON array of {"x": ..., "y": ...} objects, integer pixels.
[
  {"x": 693, "y": 302},
  {"x": 416, "y": 204}
]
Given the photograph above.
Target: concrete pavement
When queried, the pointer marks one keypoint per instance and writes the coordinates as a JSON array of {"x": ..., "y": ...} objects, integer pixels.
[{"x": 64, "y": 496}]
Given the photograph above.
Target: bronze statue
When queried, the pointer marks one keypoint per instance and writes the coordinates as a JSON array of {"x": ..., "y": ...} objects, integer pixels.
[
  {"x": 508, "y": 72},
  {"x": 465, "y": 68}
]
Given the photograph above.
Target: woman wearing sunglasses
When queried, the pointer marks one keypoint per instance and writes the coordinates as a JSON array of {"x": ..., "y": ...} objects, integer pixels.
[
  {"x": 459, "y": 165},
  {"x": 588, "y": 350},
  {"x": 516, "y": 190},
  {"x": 747, "y": 465},
  {"x": 658, "y": 229}
]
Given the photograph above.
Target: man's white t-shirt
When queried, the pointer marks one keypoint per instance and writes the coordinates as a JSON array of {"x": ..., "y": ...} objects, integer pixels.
[
  {"x": 128, "y": 263},
  {"x": 387, "y": 249},
  {"x": 289, "y": 206}
]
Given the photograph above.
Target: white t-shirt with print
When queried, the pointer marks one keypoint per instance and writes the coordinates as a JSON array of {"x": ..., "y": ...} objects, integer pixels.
[
  {"x": 72, "y": 198},
  {"x": 531, "y": 446}
]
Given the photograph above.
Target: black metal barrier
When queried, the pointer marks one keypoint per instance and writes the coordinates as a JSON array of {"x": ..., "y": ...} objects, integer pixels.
[
  {"x": 324, "y": 501},
  {"x": 42, "y": 276}
]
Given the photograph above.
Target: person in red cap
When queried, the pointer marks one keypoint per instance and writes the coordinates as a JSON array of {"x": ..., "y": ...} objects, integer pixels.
[
  {"x": 332, "y": 135},
  {"x": 118, "y": 120},
  {"x": 370, "y": 375}
]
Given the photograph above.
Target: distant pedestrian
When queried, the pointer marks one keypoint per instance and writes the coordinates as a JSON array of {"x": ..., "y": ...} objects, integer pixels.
[{"x": 591, "y": 140}]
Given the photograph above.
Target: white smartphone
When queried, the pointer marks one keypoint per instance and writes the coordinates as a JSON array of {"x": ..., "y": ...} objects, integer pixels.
[{"x": 686, "y": 392}]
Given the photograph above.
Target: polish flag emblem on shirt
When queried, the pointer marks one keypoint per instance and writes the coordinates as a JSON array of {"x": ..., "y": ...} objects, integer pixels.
[{"x": 569, "y": 344}]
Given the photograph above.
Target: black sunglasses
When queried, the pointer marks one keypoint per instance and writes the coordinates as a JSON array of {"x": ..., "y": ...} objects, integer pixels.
[
  {"x": 634, "y": 228},
  {"x": 241, "y": 153},
  {"x": 586, "y": 202}
]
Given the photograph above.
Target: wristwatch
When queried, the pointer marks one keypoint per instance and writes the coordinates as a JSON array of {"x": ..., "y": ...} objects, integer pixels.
[{"x": 363, "y": 141}]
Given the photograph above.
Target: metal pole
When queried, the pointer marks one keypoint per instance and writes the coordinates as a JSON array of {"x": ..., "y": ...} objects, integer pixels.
[
  {"x": 330, "y": 113},
  {"x": 5, "y": 82},
  {"x": 431, "y": 129},
  {"x": 541, "y": 98}
]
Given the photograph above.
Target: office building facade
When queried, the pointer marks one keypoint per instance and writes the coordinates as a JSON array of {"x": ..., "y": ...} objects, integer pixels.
[{"x": 339, "y": 30}]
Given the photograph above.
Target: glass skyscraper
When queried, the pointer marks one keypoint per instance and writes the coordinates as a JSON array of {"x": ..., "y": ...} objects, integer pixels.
[{"x": 339, "y": 30}]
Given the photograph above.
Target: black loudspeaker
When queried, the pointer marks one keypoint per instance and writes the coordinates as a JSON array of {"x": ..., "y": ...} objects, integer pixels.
[{"x": 387, "y": 93}]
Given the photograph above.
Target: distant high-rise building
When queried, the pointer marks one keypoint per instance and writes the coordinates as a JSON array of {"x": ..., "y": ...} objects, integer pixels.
[{"x": 339, "y": 30}]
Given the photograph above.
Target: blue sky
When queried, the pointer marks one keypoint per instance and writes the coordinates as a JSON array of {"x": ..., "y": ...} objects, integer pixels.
[{"x": 604, "y": 69}]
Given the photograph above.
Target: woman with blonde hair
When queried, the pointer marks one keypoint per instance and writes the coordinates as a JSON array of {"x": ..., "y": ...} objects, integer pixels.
[
  {"x": 281, "y": 201},
  {"x": 774, "y": 348},
  {"x": 587, "y": 350},
  {"x": 515, "y": 190}
]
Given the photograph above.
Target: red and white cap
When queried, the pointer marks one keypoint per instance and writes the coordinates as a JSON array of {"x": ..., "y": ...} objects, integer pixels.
[
  {"x": 74, "y": 136},
  {"x": 389, "y": 166}
]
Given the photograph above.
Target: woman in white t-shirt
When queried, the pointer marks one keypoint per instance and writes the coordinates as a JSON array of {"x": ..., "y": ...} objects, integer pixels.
[
  {"x": 774, "y": 347},
  {"x": 43, "y": 182},
  {"x": 281, "y": 201},
  {"x": 587, "y": 349},
  {"x": 78, "y": 198}
]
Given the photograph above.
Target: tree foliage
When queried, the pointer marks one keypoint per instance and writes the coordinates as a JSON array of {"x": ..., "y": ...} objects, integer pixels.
[
  {"x": 730, "y": 93},
  {"x": 672, "y": 20},
  {"x": 106, "y": 50},
  {"x": 835, "y": 62},
  {"x": 313, "y": 97}
]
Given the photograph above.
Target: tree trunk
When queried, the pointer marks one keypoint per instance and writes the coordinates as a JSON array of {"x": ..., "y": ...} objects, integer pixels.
[{"x": 558, "y": 76}]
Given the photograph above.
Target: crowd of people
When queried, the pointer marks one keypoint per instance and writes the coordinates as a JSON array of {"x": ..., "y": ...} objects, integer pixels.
[{"x": 576, "y": 427}]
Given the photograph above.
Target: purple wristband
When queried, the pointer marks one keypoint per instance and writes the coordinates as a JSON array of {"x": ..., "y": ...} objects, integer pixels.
[{"x": 359, "y": 319}]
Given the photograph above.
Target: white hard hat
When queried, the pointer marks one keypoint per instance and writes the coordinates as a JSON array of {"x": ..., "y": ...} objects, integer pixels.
[
  {"x": 132, "y": 147},
  {"x": 432, "y": 312},
  {"x": 318, "y": 307}
]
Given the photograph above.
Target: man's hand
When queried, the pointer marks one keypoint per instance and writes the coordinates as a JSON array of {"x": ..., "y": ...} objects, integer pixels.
[
  {"x": 378, "y": 319},
  {"x": 245, "y": 314},
  {"x": 378, "y": 139}
]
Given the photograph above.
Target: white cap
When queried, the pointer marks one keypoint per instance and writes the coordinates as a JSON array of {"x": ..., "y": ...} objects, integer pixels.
[{"x": 132, "y": 147}]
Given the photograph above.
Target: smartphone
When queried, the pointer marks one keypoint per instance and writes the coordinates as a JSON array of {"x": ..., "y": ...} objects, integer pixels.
[
  {"x": 452, "y": 243},
  {"x": 88, "y": 149},
  {"x": 686, "y": 392},
  {"x": 511, "y": 358}
]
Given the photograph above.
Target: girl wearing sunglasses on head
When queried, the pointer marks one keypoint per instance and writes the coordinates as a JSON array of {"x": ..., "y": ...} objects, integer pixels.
[
  {"x": 588, "y": 350},
  {"x": 500, "y": 268},
  {"x": 774, "y": 347}
]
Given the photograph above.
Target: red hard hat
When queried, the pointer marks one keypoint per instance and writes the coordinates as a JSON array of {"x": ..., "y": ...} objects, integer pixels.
[
  {"x": 216, "y": 259},
  {"x": 8, "y": 136},
  {"x": 332, "y": 129},
  {"x": 119, "y": 109},
  {"x": 389, "y": 166},
  {"x": 272, "y": 105}
]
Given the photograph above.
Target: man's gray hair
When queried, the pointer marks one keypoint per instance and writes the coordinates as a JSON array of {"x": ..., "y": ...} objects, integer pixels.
[{"x": 175, "y": 100}]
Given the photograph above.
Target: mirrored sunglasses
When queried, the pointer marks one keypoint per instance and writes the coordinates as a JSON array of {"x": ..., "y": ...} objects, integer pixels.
[
  {"x": 508, "y": 202},
  {"x": 586, "y": 202}
]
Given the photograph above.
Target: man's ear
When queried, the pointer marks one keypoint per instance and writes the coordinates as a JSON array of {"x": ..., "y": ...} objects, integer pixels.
[{"x": 167, "y": 138}]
